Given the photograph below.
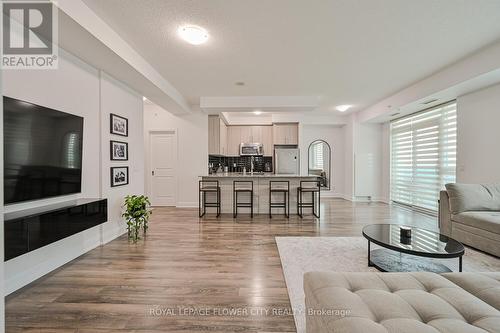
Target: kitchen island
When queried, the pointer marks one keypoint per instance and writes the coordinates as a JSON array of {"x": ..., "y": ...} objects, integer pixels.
[{"x": 260, "y": 194}]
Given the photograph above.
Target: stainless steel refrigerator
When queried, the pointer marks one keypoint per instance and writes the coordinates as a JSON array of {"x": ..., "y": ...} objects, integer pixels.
[{"x": 286, "y": 161}]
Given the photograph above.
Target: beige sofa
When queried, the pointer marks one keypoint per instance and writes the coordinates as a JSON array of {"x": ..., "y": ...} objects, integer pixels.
[
  {"x": 470, "y": 213},
  {"x": 418, "y": 302}
]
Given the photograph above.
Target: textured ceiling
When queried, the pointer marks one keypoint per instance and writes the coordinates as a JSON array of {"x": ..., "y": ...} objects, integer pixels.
[{"x": 347, "y": 51}]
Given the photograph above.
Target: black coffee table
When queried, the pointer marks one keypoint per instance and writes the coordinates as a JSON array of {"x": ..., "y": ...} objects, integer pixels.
[{"x": 405, "y": 255}]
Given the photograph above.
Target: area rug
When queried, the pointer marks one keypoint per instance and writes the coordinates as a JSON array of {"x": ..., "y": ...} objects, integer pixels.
[{"x": 345, "y": 254}]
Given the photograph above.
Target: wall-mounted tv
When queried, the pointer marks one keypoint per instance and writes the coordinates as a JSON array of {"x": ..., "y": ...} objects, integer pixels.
[{"x": 42, "y": 152}]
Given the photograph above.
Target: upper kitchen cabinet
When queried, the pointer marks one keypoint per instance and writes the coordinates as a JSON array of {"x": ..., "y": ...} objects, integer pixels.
[
  {"x": 267, "y": 140},
  {"x": 222, "y": 137},
  {"x": 233, "y": 140},
  {"x": 286, "y": 134},
  {"x": 217, "y": 136},
  {"x": 238, "y": 134}
]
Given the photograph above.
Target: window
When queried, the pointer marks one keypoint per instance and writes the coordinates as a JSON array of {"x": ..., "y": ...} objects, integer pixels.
[
  {"x": 317, "y": 155},
  {"x": 423, "y": 155}
]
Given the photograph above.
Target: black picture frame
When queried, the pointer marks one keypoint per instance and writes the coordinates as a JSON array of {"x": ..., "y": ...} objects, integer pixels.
[
  {"x": 112, "y": 176},
  {"x": 112, "y": 129},
  {"x": 112, "y": 156}
]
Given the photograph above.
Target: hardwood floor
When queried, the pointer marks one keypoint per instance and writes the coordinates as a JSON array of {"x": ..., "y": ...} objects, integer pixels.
[{"x": 186, "y": 274}]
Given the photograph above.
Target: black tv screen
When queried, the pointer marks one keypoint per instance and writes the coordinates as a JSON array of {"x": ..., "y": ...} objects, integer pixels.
[{"x": 42, "y": 151}]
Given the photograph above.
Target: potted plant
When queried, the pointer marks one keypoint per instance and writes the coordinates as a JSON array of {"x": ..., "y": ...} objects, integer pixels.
[{"x": 137, "y": 212}]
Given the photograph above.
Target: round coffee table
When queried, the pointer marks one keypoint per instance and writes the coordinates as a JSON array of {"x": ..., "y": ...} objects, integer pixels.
[{"x": 405, "y": 255}]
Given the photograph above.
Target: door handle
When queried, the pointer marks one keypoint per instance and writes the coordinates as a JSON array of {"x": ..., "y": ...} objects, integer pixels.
[{"x": 153, "y": 173}]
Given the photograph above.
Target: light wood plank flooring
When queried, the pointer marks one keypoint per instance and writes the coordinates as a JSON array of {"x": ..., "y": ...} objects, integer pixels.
[{"x": 185, "y": 264}]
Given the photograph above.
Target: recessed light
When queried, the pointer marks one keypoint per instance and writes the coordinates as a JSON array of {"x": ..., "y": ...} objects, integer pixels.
[
  {"x": 257, "y": 112},
  {"x": 193, "y": 34},
  {"x": 144, "y": 98},
  {"x": 343, "y": 108}
]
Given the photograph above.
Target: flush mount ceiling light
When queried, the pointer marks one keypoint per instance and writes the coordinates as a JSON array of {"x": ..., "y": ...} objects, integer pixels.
[
  {"x": 343, "y": 108},
  {"x": 193, "y": 34},
  {"x": 257, "y": 112}
]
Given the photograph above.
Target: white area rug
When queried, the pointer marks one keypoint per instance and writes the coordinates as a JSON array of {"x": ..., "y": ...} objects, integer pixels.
[{"x": 345, "y": 254}]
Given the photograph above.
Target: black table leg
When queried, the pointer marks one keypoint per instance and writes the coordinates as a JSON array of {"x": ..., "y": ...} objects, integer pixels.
[
  {"x": 369, "y": 260},
  {"x": 460, "y": 264}
]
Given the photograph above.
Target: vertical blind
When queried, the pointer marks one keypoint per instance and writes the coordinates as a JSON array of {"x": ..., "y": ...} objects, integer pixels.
[{"x": 423, "y": 155}]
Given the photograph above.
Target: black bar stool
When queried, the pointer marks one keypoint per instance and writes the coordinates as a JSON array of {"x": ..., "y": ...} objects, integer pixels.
[
  {"x": 309, "y": 186},
  {"x": 242, "y": 186},
  {"x": 208, "y": 186},
  {"x": 279, "y": 186}
]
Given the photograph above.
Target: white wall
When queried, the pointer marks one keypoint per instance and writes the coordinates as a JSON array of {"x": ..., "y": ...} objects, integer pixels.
[
  {"x": 335, "y": 137},
  {"x": 385, "y": 184},
  {"x": 77, "y": 88},
  {"x": 367, "y": 160},
  {"x": 192, "y": 147},
  {"x": 349, "y": 157},
  {"x": 119, "y": 99},
  {"x": 478, "y": 136}
]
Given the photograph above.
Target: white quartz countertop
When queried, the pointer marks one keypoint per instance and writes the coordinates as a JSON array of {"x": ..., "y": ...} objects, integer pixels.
[{"x": 255, "y": 175}]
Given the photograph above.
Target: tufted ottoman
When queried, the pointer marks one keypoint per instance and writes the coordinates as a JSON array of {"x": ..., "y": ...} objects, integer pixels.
[{"x": 394, "y": 302}]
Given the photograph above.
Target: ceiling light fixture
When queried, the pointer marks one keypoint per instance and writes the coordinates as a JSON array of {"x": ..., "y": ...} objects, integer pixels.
[
  {"x": 343, "y": 108},
  {"x": 193, "y": 34},
  {"x": 257, "y": 112}
]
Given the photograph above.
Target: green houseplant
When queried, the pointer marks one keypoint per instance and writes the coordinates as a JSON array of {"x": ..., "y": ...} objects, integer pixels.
[{"x": 137, "y": 212}]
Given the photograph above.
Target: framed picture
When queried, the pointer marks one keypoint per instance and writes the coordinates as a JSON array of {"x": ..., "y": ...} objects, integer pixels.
[
  {"x": 118, "y": 151},
  {"x": 118, "y": 125},
  {"x": 119, "y": 176}
]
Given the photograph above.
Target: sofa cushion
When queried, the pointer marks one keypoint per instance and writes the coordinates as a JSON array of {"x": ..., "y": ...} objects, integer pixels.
[
  {"x": 394, "y": 302},
  {"x": 485, "y": 286},
  {"x": 489, "y": 221},
  {"x": 473, "y": 197}
]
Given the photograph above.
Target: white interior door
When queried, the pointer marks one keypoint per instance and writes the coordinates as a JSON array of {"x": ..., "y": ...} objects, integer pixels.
[{"x": 163, "y": 162}]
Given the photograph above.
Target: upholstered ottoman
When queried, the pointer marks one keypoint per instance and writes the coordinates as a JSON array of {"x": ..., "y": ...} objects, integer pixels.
[{"x": 393, "y": 302}]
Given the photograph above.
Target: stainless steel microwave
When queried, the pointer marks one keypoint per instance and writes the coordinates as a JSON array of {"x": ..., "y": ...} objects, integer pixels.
[{"x": 251, "y": 149}]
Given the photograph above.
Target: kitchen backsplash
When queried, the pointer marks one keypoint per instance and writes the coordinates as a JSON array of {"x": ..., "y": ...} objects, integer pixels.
[{"x": 241, "y": 161}]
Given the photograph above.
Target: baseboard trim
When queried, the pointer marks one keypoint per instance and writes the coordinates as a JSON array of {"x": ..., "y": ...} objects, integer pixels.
[
  {"x": 383, "y": 200},
  {"x": 187, "y": 204},
  {"x": 362, "y": 199},
  {"x": 327, "y": 194}
]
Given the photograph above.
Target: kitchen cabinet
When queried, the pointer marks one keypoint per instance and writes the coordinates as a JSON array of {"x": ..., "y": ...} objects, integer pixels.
[
  {"x": 217, "y": 136},
  {"x": 267, "y": 140},
  {"x": 225, "y": 140},
  {"x": 245, "y": 134},
  {"x": 286, "y": 134},
  {"x": 249, "y": 134},
  {"x": 222, "y": 137},
  {"x": 233, "y": 140}
]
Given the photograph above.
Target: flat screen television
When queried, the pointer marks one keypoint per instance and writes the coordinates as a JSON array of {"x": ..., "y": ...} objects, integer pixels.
[{"x": 42, "y": 152}]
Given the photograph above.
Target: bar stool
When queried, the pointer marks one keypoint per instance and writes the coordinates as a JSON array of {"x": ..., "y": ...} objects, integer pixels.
[
  {"x": 208, "y": 186},
  {"x": 242, "y": 186},
  {"x": 280, "y": 186},
  {"x": 308, "y": 186}
]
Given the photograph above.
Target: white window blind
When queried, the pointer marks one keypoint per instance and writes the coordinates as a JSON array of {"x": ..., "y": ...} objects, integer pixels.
[
  {"x": 423, "y": 155},
  {"x": 317, "y": 153}
]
